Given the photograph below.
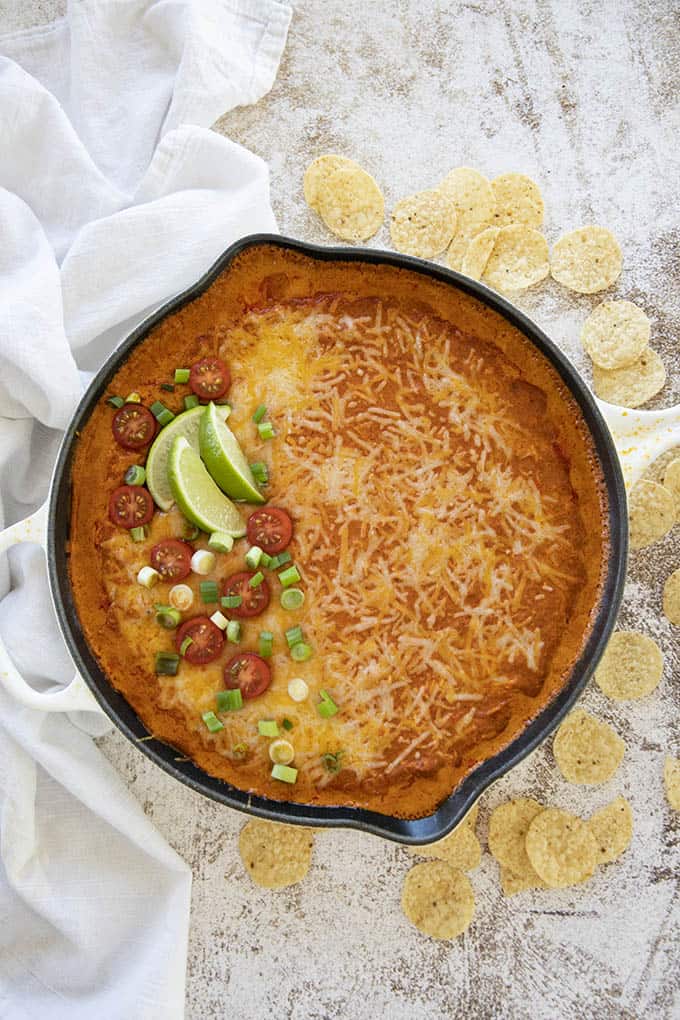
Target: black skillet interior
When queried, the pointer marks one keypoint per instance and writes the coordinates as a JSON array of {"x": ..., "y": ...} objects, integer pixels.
[{"x": 422, "y": 830}]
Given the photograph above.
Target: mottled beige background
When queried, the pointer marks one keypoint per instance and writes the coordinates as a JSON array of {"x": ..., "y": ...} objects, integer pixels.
[{"x": 583, "y": 96}]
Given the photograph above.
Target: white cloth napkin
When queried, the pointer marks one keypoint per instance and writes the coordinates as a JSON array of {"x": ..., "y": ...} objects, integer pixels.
[{"x": 114, "y": 195}]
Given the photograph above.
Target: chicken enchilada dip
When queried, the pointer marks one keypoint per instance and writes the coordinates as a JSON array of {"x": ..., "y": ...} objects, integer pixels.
[{"x": 338, "y": 532}]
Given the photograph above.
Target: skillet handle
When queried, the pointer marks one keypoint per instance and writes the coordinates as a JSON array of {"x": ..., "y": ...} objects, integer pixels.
[
  {"x": 76, "y": 696},
  {"x": 641, "y": 436}
]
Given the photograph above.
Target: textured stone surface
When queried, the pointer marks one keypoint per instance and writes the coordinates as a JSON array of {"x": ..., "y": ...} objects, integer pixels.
[{"x": 584, "y": 97}]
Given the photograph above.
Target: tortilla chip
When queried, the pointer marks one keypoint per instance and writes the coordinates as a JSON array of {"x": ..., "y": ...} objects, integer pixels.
[
  {"x": 586, "y": 749},
  {"x": 477, "y": 253},
  {"x": 612, "y": 828},
  {"x": 633, "y": 385},
  {"x": 671, "y": 597},
  {"x": 351, "y": 204},
  {"x": 475, "y": 205},
  {"x": 438, "y": 899},
  {"x": 275, "y": 855},
  {"x": 519, "y": 259},
  {"x": 586, "y": 260},
  {"x": 561, "y": 848},
  {"x": 651, "y": 513},
  {"x": 615, "y": 334},
  {"x": 631, "y": 667},
  {"x": 317, "y": 173},
  {"x": 671, "y": 778},
  {"x": 671, "y": 481},
  {"x": 508, "y": 826},
  {"x": 511, "y": 884},
  {"x": 518, "y": 200},
  {"x": 423, "y": 224}
]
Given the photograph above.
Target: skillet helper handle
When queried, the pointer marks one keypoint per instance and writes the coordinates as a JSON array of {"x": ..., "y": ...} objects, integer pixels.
[
  {"x": 641, "y": 436},
  {"x": 75, "y": 696}
]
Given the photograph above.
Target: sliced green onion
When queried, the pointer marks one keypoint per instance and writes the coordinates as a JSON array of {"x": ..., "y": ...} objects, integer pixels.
[
  {"x": 209, "y": 591},
  {"x": 294, "y": 636},
  {"x": 287, "y": 724},
  {"x": 168, "y": 387},
  {"x": 115, "y": 402},
  {"x": 148, "y": 577},
  {"x": 182, "y": 375},
  {"x": 265, "y": 644},
  {"x": 229, "y": 701},
  {"x": 202, "y": 561},
  {"x": 256, "y": 580},
  {"x": 326, "y": 707},
  {"x": 212, "y": 722},
  {"x": 185, "y": 644},
  {"x": 265, "y": 560},
  {"x": 281, "y": 751},
  {"x": 234, "y": 632},
  {"x": 139, "y": 534},
  {"x": 285, "y": 773},
  {"x": 301, "y": 652},
  {"x": 332, "y": 762},
  {"x": 161, "y": 413},
  {"x": 231, "y": 601},
  {"x": 135, "y": 475},
  {"x": 266, "y": 430},
  {"x": 167, "y": 663},
  {"x": 278, "y": 561},
  {"x": 181, "y": 597},
  {"x": 268, "y": 728},
  {"x": 133, "y": 398},
  {"x": 260, "y": 472},
  {"x": 167, "y": 616},
  {"x": 191, "y": 532},
  {"x": 259, "y": 414},
  {"x": 253, "y": 557},
  {"x": 298, "y": 689},
  {"x": 240, "y": 750},
  {"x": 292, "y": 598},
  {"x": 190, "y": 401},
  {"x": 219, "y": 620},
  {"x": 291, "y": 575},
  {"x": 220, "y": 541}
]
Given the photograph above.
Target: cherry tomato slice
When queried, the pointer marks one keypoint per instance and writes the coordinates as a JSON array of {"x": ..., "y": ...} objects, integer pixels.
[
  {"x": 130, "y": 506},
  {"x": 133, "y": 426},
  {"x": 210, "y": 378},
  {"x": 254, "y": 600},
  {"x": 207, "y": 640},
  {"x": 172, "y": 559},
  {"x": 249, "y": 672},
  {"x": 271, "y": 528}
]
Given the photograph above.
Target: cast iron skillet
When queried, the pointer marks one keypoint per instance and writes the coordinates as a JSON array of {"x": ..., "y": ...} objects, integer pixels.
[{"x": 448, "y": 814}]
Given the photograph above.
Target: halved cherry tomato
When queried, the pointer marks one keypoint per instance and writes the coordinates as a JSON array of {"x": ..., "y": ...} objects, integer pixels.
[
  {"x": 133, "y": 426},
  {"x": 130, "y": 506},
  {"x": 210, "y": 378},
  {"x": 248, "y": 672},
  {"x": 271, "y": 528},
  {"x": 254, "y": 600},
  {"x": 206, "y": 640},
  {"x": 172, "y": 559}
]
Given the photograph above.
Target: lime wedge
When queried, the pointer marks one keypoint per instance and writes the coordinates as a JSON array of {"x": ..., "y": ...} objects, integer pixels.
[
  {"x": 224, "y": 458},
  {"x": 196, "y": 494},
  {"x": 185, "y": 424}
]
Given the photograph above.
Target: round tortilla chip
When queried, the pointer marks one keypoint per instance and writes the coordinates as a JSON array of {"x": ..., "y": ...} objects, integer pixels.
[
  {"x": 631, "y": 667},
  {"x": 478, "y": 252},
  {"x": 508, "y": 826},
  {"x": 671, "y": 778},
  {"x": 561, "y": 848},
  {"x": 671, "y": 597},
  {"x": 438, "y": 899},
  {"x": 423, "y": 224},
  {"x": 518, "y": 200},
  {"x": 671, "y": 481},
  {"x": 474, "y": 201},
  {"x": 587, "y": 750},
  {"x": 586, "y": 260},
  {"x": 317, "y": 173},
  {"x": 519, "y": 259},
  {"x": 612, "y": 828},
  {"x": 511, "y": 884},
  {"x": 460, "y": 848},
  {"x": 615, "y": 334},
  {"x": 633, "y": 385},
  {"x": 351, "y": 204},
  {"x": 275, "y": 855},
  {"x": 651, "y": 513}
]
